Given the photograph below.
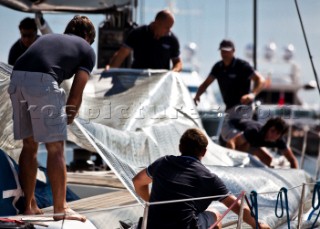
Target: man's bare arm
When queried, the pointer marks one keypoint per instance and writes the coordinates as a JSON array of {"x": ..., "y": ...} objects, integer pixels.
[
  {"x": 238, "y": 142},
  {"x": 258, "y": 84},
  {"x": 118, "y": 58},
  {"x": 75, "y": 96},
  {"x": 141, "y": 183},
  {"x": 264, "y": 155},
  {"x": 228, "y": 201},
  {"x": 202, "y": 88},
  {"x": 176, "y": 64},
  {"x": 291, "y": 158}
]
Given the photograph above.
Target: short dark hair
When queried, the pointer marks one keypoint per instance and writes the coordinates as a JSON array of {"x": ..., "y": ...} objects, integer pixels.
[
  {"x": 82, "y": 27},
  {"x": 28, "y": 23},
  {"x": 193, "y": 142},
  {"x": 278, "y": 123}
]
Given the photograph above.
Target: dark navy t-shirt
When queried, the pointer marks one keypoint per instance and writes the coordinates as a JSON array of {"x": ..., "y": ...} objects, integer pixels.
[
  {"x": 255, "y": 137},
  {"x": 60, "y": 55},
  {"x": 234, "y": 80},
  {"x": 149, "y": 52},
  {"x": 181, "y": 178}
]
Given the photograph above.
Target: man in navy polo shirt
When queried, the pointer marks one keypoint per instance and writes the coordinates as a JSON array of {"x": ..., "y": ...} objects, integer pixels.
[
  {"x": 234, "y": 77},
  {"x": 153, "y": 46},
  {"x": 185, "y": 177},
  {"x": 41, "y": 111},
  {"x": 28, "y": 28}
]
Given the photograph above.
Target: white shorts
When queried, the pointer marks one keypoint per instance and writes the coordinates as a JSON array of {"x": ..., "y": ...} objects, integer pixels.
[{"x": 38, "y": 107}]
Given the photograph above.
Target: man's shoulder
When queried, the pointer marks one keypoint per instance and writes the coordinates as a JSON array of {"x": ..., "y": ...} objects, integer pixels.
[
  {"x": 252, "y": 131},
  {"x": 217, "y": 69},
  {"x": 281, "y": 144},
  {"x": 164, "y": 158},
  {"x": 218, "y": 64},
  {"x": 241, "y": 62},
  {"x": 66, "y": 39},
  {"x": 249, "y": 124},
  {"x": 57, "y": 36},
  {"x": 50, "y": 38},
  {"x": 52, "y": 35},
  {"x": 140, "y": 29},
  {"x": 172, "y": 35},
  {"x": 16, "y": 45},
  {"x": 137, "y": 34},
  {"x": 161, "y": 162}
]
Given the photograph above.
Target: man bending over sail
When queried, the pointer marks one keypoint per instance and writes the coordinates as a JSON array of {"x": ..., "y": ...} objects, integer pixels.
[{"x": 256, "y": 137}]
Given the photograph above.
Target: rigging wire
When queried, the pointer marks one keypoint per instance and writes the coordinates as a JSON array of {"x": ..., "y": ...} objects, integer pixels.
[{"x": 307, "y": 44}]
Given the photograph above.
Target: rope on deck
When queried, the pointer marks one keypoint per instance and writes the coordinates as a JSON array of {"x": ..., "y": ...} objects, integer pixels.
[
  {"x": 254, "y": 209},
  {"x": 285, "y": 192},
  {"x": 315, "y": 198}
]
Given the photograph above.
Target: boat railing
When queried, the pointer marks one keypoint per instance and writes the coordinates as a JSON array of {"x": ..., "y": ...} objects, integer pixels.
[
  {"x": 239, "y": 222},
  {"x": 254, "y": 206},
  {"x": 227, "y": 222},
  {"x": 306, "y": 130}
]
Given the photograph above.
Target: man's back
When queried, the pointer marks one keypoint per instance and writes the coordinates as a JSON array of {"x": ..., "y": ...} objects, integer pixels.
[
  {"x": 180, "y": 178},
  {"x": 59, "y": 55}
]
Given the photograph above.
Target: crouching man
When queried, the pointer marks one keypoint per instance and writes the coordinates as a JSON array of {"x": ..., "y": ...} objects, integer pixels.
[
  {"x": 182, "y": 177},
  {"x": 255, "y": 137}
]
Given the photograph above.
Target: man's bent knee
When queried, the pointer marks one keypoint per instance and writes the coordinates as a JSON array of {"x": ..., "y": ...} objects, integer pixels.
[
  {"x": 30, "y": 144},
  {"x": 55, "y": 147},
  {"x": 208, "y": 218}
]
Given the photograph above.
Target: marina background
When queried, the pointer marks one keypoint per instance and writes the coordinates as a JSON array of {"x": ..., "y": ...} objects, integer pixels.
[{"x": 207, "y": 22}]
